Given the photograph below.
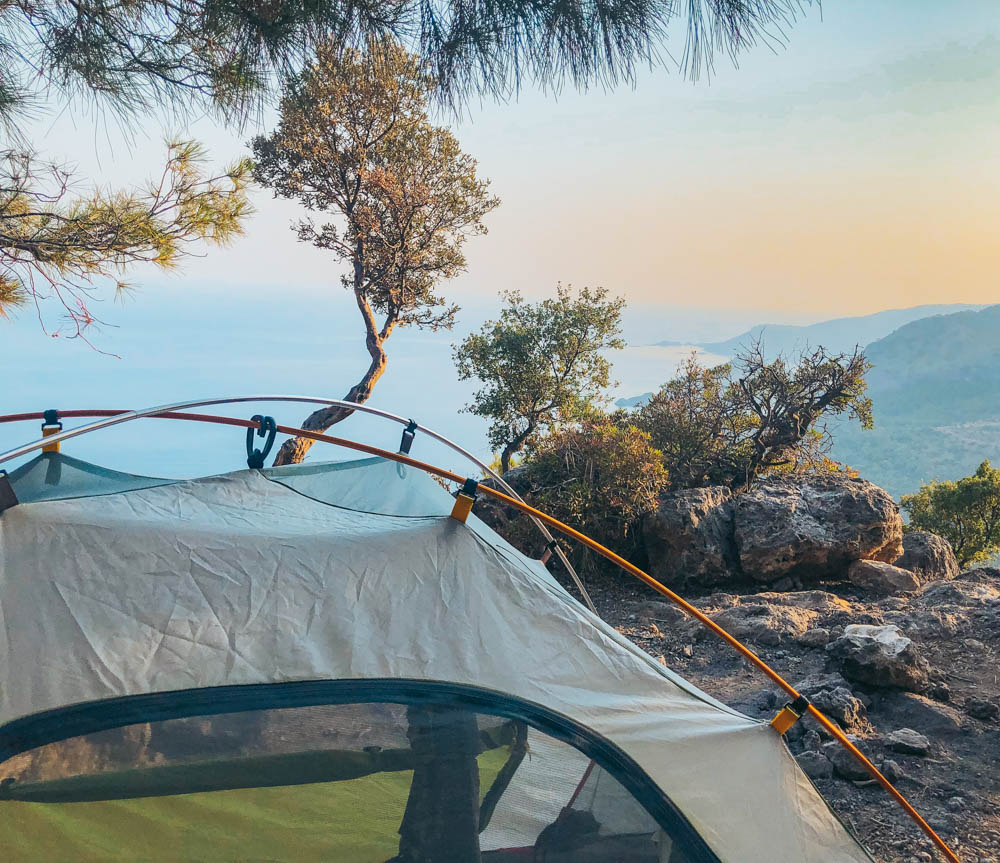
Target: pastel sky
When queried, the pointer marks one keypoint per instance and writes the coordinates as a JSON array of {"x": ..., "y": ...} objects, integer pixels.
[{"x": 855, "y": 170}]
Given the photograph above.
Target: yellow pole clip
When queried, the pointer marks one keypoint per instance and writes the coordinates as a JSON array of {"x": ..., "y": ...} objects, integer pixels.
[
  {"x": 790, "y": 714},
  {"x": 51, "y": 426},
  {"x": 464, "y": 500}
]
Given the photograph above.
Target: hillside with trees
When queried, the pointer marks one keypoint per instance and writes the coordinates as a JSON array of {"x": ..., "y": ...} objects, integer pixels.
[{"x": 933, "y": 388}]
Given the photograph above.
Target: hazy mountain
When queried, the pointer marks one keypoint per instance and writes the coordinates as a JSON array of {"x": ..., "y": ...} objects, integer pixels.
[
  {"x": 935, "y": 386},
  {"x": 840, "y": 334}
]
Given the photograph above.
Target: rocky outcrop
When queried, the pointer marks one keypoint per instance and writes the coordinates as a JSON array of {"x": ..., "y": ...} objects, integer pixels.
[
  {"x": 879, "y": 656},
  {"x": 787, "y": 530},
  {"x": 881, "y": 579},
  {"x": 928, "y": 556},
  {"x": 690, "y": 539},
  {"x": 814, "y": 526}
]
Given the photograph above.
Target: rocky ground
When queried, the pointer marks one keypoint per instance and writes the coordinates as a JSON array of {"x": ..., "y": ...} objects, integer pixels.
[
  {"x": 880, "y": 630},
  {"x": 939, "y": 744}
]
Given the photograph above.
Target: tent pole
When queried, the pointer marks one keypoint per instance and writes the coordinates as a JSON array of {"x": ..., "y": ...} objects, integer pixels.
[
  {"x": 566, "y": 530},
  {"x": 113, "y": 417}
]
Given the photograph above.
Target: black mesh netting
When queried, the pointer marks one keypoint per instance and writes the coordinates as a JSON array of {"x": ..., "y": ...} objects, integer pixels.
[{"x": 365, "y": 783}]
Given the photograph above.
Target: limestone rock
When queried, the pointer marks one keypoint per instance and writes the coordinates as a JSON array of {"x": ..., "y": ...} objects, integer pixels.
[
  {"x": 814, "y": 526},
  {"x": 908, "y": 742},
  {"x": 879, "y": 656},
  {"x": 689, "y": 539},
  {"x": 928, "y": 556},
  {"x": 881, "y": 579}
]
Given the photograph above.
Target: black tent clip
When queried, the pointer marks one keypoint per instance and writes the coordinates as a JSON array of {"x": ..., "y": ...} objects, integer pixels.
[
  {"x": 409, "y": 433},
  {"x": 550, "y": 549},
  {"x": 265, "y": 426}
]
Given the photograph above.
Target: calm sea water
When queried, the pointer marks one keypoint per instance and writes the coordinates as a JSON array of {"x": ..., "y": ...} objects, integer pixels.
[{"x": 204, "y": 347}]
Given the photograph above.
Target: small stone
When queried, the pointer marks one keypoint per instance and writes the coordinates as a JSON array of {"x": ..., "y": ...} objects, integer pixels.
[
  {"x": 812, "y": 740},
  {"x": 892, "y": 771},
  {"x": 688, "y": 650},
  {"x": 939, "y": 691},
  {"x": 975, "y": 645},
  {"x": 815, "y": 764},
  {"x": 817, "y": 637},
  {"x": 767, "y": 700},
  {"x": 955, "y": 804},
  {"x": 908, "y": 742},
  {"x": 844, "y": 764},
  {"x": 980, "y": 708}
]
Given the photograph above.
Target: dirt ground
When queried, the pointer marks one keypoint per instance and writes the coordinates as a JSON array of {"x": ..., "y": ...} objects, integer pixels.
[{"x": 955, "y": 786}]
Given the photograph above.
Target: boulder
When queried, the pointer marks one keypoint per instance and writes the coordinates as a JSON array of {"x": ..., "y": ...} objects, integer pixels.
[
  {"x": 879, "y": 656},
  {"x": 881, "y": 579},
  {"x": 689, "y": 539},
  {"x": 908, "y": 742},
  {"x": 814, "y": 526},
  {"x": 928, "y": 556}
]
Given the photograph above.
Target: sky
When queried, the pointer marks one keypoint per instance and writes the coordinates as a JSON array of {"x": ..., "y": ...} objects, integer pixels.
[{"x": 853, "y": 170}]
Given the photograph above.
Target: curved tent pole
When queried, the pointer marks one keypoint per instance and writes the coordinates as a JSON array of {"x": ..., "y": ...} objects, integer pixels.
[
  {"x": 551, "y": 522},
  {"x": 163, "y": 411}
]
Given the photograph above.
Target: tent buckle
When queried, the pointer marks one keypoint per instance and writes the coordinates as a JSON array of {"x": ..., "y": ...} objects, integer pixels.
[
  {"x": 464, "y": 500},
  {"x": 790, "y": 714},
  {"x": 51, "y": 426}
]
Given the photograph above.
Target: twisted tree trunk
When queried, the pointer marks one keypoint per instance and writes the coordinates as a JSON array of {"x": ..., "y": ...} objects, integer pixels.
[{"x": 294, "y": 450}]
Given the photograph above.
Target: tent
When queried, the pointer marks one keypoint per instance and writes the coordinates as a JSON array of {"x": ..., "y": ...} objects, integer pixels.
[{"x": 317, "y": 663}]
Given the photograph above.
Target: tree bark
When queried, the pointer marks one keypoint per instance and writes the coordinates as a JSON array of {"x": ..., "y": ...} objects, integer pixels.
[
  {"x": 294, "y": 450},
  {"x": 512, "y": 448}
]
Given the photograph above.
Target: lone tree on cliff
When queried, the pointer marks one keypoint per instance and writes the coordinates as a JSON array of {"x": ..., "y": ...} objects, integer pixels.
[
  {"x": 355, "y": 140},
  {"x": 540, "y": 363},
  {"x": 729, "y": 424}
]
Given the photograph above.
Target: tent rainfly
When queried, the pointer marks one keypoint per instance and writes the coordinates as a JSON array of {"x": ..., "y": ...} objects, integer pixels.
[{"x": 317, "y": 663}]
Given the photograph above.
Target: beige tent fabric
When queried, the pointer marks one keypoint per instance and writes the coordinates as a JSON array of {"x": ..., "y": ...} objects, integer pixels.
[{"x": 240, "y": 579}]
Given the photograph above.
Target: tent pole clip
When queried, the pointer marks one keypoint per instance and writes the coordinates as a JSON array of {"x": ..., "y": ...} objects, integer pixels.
[
  {"x": 790, "y": 714},
  {"x": 266, "y": 427},
  {"x": 409, "y": 433},
  {"x": 51, "y": 426},
  {"x": 8, "y": 497},
  {"x": 464, "y": 500},
  {"x": 550, "y": 549}
]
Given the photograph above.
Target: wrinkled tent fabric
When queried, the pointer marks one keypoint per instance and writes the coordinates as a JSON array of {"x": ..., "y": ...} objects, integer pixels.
[{"x": 354, "y": 571}]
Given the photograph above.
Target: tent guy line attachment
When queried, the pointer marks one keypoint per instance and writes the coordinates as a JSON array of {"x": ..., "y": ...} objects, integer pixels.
[
  {"x": 113, "y": 417},
  {"x": 549, "y": 521}
]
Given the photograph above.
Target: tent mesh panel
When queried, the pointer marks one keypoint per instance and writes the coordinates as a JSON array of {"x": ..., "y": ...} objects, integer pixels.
[{"x": 365, "y": 783}]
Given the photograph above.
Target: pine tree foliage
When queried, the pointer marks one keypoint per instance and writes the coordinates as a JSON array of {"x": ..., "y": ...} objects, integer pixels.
[{"x": 56, "y": 245}]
